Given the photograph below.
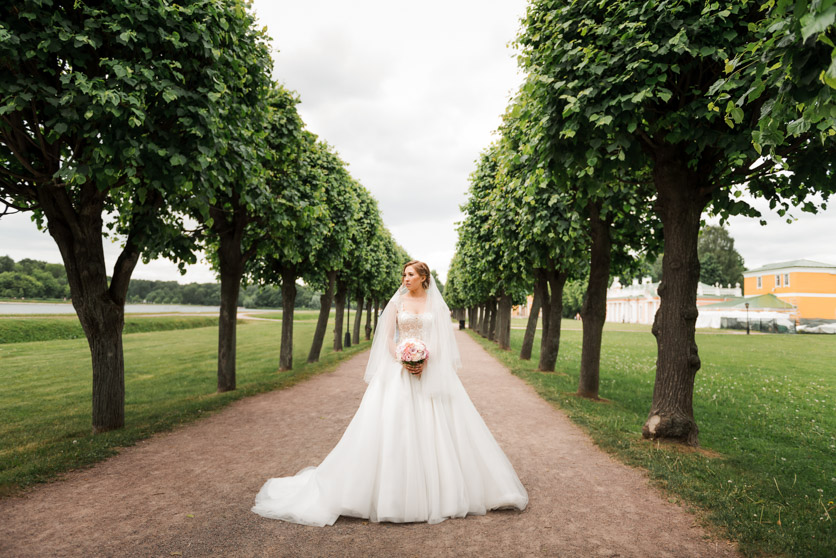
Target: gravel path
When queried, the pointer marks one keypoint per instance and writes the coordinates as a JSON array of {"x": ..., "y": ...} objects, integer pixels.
[{"x": 188, "y": 493}]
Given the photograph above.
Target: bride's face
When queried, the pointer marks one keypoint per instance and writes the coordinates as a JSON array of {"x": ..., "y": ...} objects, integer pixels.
[{"x": 412, "y": 280}]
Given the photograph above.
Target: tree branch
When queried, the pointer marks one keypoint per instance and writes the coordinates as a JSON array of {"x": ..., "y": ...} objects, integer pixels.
[
  {"x": 647, "y": 139},
  {"x": 17, "y": 151},
  {"x": 37, "y": 127}
]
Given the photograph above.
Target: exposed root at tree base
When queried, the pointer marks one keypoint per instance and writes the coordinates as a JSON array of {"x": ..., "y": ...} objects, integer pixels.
[
  {"x": 676, "y": 445},
  {"x": 551, "y": 372},
  {"x": 597, "y": 399}
]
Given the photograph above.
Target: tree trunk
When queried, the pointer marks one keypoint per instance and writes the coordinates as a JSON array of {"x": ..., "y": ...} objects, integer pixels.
[
  {"x": 480, "y": 320},
  {"x": 680, "y": 205},
  {"x": 102, "y": 316},
  {"x": 358, "y": 320},
  {"x": 342, "y": 290},
  {"x": 347, "y": 322},
  {"x": 105, "y": 341},
  {"x": 504, "y": 327},
  {"x": 492, "y": 322},
  {"x": 288, "y": 304},
  {"x": 471, "y": 317},
  {"x": 486, "y": 319},
  {"x": 499, "y": 325},
  {"x": 100, "y": 307},
  {"x": 376, "y": 314},
  {"x": 533, "y": 316},
  {"x": 230, "y": 232},
  {"x": 546, "y": 307},
  {"x": 594, "y": 308},
  {"x": 231, "y": 272},
  {"x": 325, "y": 300},
  {"x": 368, "y": 328},
  {"x": 549, "y": 349}
]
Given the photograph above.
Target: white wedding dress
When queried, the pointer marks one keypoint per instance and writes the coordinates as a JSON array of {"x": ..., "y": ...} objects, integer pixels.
[{"x": 406, "y": 456}]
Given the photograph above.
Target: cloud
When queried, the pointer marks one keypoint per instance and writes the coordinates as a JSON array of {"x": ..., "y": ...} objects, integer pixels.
[
  {"x": 407, "y": 93},
  {"x": 809, "y": 236}
]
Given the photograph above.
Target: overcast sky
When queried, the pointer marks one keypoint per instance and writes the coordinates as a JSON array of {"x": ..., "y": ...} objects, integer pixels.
[{"x": 408, "y": 94}]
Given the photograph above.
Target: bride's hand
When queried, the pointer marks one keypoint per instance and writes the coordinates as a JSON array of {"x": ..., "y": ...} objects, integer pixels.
[{"x": 415, "y": 369}]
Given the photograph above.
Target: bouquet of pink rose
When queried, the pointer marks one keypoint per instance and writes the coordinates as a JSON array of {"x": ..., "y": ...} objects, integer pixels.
[{"x": 412, "y": 351}]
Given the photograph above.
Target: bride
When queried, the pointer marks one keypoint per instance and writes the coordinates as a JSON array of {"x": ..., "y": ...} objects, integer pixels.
[{"x": 417, "y": 449}]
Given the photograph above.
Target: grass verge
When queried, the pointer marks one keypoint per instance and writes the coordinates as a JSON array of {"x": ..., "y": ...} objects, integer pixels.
[
  {"x": 766, "y": 471},
  {"x": 170, "y": 379},
  {"x": 24, "y": 330}
]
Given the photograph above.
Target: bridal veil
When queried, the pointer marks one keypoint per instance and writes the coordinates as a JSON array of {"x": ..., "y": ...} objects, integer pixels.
[{"x": 444, "y": 360}]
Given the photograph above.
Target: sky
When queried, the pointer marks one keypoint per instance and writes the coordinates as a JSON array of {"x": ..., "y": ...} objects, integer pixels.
[{"x": 409, "y": 94}]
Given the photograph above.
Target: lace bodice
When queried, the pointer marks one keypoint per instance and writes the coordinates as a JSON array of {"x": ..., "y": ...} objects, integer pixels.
[{"x": 414, "y": 325}]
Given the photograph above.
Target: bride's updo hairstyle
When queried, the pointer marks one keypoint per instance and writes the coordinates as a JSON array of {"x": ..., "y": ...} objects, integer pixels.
[{"x": 422, "y": 269}]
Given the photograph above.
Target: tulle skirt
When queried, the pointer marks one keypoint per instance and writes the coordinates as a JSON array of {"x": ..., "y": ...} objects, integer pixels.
[{"x": 404, "y": 457}]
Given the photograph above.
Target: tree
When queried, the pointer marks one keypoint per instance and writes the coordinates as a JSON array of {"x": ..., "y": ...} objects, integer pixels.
[
  {"x": 573, "y": 297},
  {"x": 710, "y": 271},
  {"x": 342, "y": 201},
  {"x": 16, "y": 284},
  {"x": 630, "y": 85},
  {"x": 298, "y": 222},
  {"x": 788, "y": 70},
  {"x": 364, "y": 261},
  {"x": 237, "y": 205},
  {"x": 720, "y": 262},
  {"x": 115, "y": 109}
]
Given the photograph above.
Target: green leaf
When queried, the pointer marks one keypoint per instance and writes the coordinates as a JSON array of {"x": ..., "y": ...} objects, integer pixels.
[
  {"x": 798, "y": 127},
  {"x": 814, "y": 23},
  {"x": 829, "y": 77},
  {"x": 729, "y": 67},
  {"x": 177, "y": 159}
]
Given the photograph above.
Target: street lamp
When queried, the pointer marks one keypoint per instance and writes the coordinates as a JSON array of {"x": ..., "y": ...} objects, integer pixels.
[{"x": 747, "y": 318}]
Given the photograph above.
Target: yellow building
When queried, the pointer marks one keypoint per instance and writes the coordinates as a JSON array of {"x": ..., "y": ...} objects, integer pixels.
[{"x": 809, "y": 286}]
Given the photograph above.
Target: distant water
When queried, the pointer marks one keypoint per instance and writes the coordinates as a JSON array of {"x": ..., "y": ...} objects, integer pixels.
[{"x": 67, "y": 308}]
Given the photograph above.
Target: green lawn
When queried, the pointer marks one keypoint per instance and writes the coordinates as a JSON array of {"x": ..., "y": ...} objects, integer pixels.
[
  {"x": 765, "y": 404},
  {"x": 171, "y": 378},
  {"x": 577, "y": 325},
  {"x": 38, "y": 328},
  {"x": 298, "y": 315}
]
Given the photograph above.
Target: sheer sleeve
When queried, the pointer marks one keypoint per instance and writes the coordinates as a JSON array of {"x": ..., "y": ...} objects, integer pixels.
[
  {"x": 385, "y": 339},
  {"x": 394, "y": 338}
]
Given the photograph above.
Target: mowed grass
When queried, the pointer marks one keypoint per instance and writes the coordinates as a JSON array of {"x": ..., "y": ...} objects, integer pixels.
[
  {"x": 25, "y": 329},
  {"x": 170, "y": 377},
  {"x": 298, "y": 315},
  {"x": 766, "y": 471}
]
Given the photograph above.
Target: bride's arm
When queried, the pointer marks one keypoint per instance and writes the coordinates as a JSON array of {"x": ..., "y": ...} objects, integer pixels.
[{"x": 391, "y": 325}]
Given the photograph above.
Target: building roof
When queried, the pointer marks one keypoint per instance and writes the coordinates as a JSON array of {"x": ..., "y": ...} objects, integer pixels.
[
  {"x": 792, "y": 263},
  {"x": 761, "y": 302}
]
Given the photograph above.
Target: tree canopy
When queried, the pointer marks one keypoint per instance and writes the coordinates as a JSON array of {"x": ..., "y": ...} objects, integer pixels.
[
  {"x": 121, "y": 119},
  {"x": 636, "y": 117},
  {"x": 720, "y": 262}
]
